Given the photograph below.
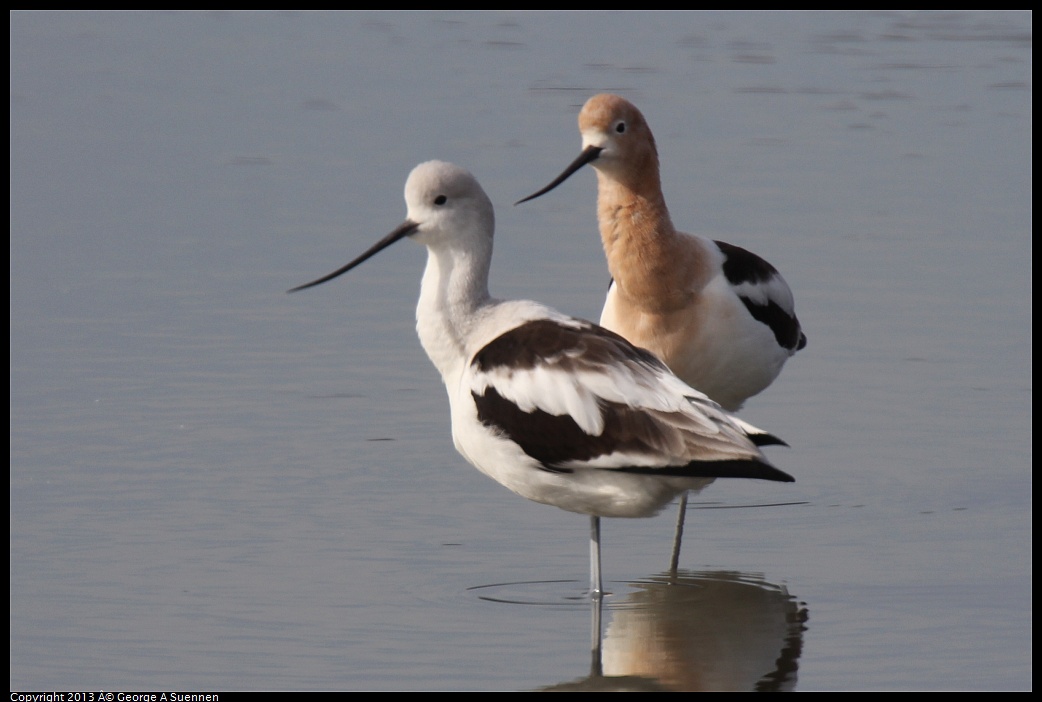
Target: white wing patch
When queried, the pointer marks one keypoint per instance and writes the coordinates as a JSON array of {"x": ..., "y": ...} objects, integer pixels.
[{"x": 773, "y": 290}]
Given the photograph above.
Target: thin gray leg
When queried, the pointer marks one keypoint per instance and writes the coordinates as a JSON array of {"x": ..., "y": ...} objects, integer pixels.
[
  {"x": 678, "y": 536},
  {"x": 595, "y": 558}
]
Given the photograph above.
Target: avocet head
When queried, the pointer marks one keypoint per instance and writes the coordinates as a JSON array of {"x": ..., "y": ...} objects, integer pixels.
[
  {"x": 448, "y": 204},
  {"x": 616, "y": 141},
  {"x": 446, "y": 207}
]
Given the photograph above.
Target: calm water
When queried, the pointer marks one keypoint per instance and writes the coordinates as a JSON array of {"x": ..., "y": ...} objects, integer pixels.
[{"x": 216, "y": 485}]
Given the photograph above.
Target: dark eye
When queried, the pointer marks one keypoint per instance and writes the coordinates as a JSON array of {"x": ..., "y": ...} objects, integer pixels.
[
  {"x": 620, "y": 127},
  {"x": 440, "y": 200}
]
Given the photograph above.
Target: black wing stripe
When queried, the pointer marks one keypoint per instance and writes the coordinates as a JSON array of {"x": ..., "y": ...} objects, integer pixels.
[
  {"x": 741, "y": 266},
  {"x": 555, "y": 441},
  {"x": 570, "y": 348},
  {"x": 785, "y": 326}
]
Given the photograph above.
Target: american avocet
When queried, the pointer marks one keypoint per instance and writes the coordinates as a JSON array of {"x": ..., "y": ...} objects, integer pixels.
[
  {"x": 722, "y": 318},
  {"x": 557, "y": 409}
]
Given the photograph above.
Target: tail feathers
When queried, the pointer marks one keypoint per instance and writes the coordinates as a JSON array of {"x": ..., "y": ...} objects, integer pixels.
[
  {"x": 758, "y": 470},
  {"x": 758, "y": 436}
]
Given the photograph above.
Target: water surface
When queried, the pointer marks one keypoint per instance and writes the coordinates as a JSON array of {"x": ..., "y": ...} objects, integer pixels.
[{"x": 215, "y": 485}]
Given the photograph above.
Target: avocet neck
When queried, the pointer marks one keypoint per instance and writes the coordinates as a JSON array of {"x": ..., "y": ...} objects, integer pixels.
[
  {"x": 453, "y": 293},
  {"x": 653, "y": 268}
]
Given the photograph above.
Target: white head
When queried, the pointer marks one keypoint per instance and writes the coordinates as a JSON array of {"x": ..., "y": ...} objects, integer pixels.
[
  {"x": 448, "y": 206},
  {"x": 447, "y": 211}
]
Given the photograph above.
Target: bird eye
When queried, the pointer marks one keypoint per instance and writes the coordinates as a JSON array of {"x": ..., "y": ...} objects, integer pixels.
[
  {"x": 440, "y": 200},
  {"x": 620, "y": 127}
]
